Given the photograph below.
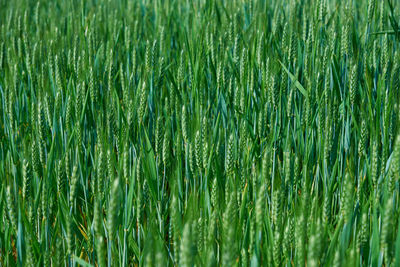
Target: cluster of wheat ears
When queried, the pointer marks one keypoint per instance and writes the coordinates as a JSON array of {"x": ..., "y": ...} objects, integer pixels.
[{"x": 199, "y": 133}]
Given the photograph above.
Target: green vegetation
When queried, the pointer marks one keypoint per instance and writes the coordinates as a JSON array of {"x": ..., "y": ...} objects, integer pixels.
[{"x": 204, "y": 132}]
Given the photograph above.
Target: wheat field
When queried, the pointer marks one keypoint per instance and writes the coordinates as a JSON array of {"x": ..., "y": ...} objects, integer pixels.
[{"x": 199, "y": 133}]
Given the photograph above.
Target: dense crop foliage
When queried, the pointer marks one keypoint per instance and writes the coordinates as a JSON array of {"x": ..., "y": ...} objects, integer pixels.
[{"x": 205, "y": 132}]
